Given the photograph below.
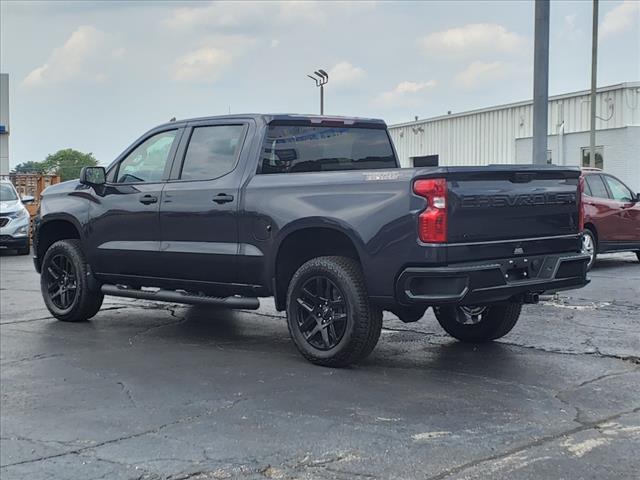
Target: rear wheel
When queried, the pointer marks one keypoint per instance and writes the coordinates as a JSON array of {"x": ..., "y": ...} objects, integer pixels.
[
  {"x": 329, "y": 315},
  {"x": 65, "y": 283},
  {"x": 479, "y": 323},
  {"x": 589, "y": 246}
]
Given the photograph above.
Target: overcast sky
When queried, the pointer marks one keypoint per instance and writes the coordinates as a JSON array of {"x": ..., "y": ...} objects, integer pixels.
[{"x": 95, "y": 75}]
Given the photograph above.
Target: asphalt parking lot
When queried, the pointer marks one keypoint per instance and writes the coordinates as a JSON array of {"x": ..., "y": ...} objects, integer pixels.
[{"x": 155, "y": 391}]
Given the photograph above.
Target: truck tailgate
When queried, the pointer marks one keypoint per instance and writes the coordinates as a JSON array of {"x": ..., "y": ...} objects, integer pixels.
[{"x": 512, "y": 202}]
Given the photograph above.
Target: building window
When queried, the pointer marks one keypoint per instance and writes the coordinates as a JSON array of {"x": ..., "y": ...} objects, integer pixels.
[
  {"x": 426, "y": 161},
  {"x": 599, "y": 157}
]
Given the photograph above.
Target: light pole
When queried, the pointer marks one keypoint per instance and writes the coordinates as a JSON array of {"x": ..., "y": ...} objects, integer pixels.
[
  {"x": 321, "y": 78},
  {"x": 594, "y": 84},
  {"x": 540, "y": 81}
]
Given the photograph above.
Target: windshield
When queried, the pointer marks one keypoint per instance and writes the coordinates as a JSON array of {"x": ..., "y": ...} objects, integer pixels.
[{"x": 7, "y": 193}]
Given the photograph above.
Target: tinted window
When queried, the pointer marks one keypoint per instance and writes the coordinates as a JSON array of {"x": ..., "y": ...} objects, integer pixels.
[
  {"x": 619, "y": 190},
  {"x": 212, "y": 151},
  {"x": 7, "y": 193},
  {"x": 596, "y": 186},
  {"x": 147, "y": 162},
  {"x": 289, "y": 149}
]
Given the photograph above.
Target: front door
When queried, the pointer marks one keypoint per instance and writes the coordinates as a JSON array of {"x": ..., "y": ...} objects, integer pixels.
[
  {"x": 124, "y": 233},
  {"x": 199, "y": 209},
  {"x": 626, "y": 220}
]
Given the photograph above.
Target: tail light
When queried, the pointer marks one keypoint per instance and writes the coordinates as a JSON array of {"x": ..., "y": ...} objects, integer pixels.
[
  {"x": 432, "y": 222},
  {"x": 580, "y": 206}
]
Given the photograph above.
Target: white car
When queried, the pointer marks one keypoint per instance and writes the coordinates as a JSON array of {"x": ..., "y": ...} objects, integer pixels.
[{"x": 14, "y": 219}]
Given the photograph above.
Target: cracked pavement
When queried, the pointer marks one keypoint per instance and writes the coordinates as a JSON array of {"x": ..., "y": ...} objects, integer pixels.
[{"x": 156, "y": 391}]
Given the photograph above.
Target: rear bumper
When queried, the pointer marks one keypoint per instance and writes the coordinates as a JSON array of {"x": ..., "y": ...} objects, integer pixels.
[{"x": 489, "y": 282}]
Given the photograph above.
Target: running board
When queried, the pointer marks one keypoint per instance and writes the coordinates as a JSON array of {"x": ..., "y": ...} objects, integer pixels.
[{"x": 248, "y": 303}]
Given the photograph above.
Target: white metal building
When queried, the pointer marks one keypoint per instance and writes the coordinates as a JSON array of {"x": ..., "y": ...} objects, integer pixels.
[
  {"x": 4, "y": 125},
  {"x": 503, "y": 134}
]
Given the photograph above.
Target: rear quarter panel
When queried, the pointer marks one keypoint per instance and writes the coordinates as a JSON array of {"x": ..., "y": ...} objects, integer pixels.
[{"x": 374, "y": 208}]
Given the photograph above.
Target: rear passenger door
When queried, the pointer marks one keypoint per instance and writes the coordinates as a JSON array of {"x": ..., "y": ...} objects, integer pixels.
[
  {"x": 604, "y": 207},
  {"x": 199, "y": 207}
]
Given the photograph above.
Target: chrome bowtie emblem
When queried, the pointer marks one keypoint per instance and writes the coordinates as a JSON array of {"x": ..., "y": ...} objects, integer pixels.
[{"x": 518, "y": 251}]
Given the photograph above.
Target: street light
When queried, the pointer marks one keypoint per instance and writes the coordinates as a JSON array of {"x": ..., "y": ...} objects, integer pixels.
[{"x": 321, "y": 78}]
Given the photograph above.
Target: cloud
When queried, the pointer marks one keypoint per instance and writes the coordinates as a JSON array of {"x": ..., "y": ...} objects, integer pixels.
[
  {"x": 202, "y": 65},
  {"x": 405, "y": 93},
  {"x": 81, "y": 58},
  {"x": 345, "y": 74},
  {"x": 623, "y": 17},
  {"x": 473, "y": 39},
  {"x": 480, "y": 72},
  {"x": 246, "y": 14}
]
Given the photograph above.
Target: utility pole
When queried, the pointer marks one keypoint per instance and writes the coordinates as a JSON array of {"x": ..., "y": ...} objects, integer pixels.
[
  {"x": 594, "y": 82},
  {"x": 541, "y": 81},
  {"x": 321, "y": 78}
]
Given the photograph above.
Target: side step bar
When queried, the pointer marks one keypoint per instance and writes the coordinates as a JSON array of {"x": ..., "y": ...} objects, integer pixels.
[{"x": 248, "y": 303}]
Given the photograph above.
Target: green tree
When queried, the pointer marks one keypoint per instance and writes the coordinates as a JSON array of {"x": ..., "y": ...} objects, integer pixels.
[
  {"x": 30, "y": 167},
  {"x": 68, "y": 162}
]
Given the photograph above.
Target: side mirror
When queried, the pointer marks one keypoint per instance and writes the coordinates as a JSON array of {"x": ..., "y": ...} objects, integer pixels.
[
  {"x": 93, "y": 176},
  {"x": 637, "y": 199},
  {"x": 27, "y": 199}
]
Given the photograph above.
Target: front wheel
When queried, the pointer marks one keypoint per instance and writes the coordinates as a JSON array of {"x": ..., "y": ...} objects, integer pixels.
[
  {"x": 479, "y": 323},
  {"x": 65, "y": 285},
  {"x": 329, "y": 315}
]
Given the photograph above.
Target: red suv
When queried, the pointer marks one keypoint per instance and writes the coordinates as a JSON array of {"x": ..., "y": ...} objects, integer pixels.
[{"x": 611, "y": 215}]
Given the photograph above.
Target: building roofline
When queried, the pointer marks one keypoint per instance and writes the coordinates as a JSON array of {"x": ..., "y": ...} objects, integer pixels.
[{"x": 523, "y": 103}]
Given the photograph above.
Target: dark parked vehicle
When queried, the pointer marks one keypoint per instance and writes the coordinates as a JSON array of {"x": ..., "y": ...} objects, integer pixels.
[
  {"x": 315, "y": 212},
  {"x": 611, "y": 215}
]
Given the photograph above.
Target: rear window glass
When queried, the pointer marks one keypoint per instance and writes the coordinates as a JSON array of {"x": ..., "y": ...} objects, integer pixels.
[
  {"x": 291, "y": 149},
  {"x": 596, "y": 186}
]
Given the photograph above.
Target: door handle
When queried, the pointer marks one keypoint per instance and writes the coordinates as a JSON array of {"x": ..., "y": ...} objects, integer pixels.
[
  {"x": 148, "y": 199},
  {"x": 223, "y": 198}
]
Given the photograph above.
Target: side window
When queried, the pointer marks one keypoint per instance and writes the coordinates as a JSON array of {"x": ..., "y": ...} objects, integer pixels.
[
  {"x": 596, "y": 186},
  {"x": 147, "y": 162},
  {"x": 212, "y": 152},
  {"x": 619, "y": 190}
]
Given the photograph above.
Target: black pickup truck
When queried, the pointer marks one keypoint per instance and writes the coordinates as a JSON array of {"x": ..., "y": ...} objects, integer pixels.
[{"x": 315, "y": 212}]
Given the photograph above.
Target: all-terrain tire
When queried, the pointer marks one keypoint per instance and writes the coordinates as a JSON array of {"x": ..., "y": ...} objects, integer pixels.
[
  {"x": 87, "y": 298},
  {"x": 495, "y": 322},
  {"x": 363, "y": 322}
]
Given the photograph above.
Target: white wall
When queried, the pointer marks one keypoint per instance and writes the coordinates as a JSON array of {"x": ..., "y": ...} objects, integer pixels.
[
  {"x": 489, "y": 135},
  {"x": 621, "y": 152}
]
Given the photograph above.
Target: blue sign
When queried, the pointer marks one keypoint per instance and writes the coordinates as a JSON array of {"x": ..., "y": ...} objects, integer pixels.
[{"x": 3, "y": 129}]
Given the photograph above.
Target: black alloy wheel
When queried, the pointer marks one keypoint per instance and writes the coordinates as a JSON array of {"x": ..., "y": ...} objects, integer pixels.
[
  {"x": 61, "y": 278},
  {"x": 330, "y": 318},
  {"x": 321, "y": 313},
  {"x": 69, "y": 290}
]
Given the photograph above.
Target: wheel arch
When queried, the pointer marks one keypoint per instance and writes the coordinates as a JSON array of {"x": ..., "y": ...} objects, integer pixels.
[
  {"x": 52, "y": 229},
  {"x": 307, "y": 239}
]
